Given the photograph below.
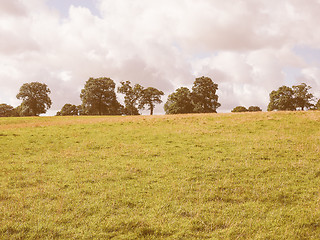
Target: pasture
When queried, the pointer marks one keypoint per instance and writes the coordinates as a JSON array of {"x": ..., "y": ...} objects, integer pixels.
[{"x": 197, "y": 176}]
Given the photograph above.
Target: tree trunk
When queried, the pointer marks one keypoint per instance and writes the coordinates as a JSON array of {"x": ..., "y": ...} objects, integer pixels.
[{"x": 151, "y": 110}]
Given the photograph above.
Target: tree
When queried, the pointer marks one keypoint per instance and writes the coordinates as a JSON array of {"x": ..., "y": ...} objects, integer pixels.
[
  {"x": 131, "y": 98},
  {"x": 149, "y": 97},
  {"x": 282, "y": 99},
  {"x": 179, "y": 102},
  {"x": 99, "y": 98},
  {"x": 18, "y": 111},
  {"x": 6, "y": 110},
  {"x": 68, "y": 110},
  {"x": 254, "y": 109},
  {"x": 204, "y": 97},
  {"x": 302, "y": 97},
  {"x": 239, "y": 109},
  {"x": 286, "y": 98},
  {"x": 81, "y": 110},
  {"x": 317, "y": 106},
  {"x": 35, "y": 98}
]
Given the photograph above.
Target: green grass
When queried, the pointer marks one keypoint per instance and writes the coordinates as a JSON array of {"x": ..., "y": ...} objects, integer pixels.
[{"x": 215, "y": 176}]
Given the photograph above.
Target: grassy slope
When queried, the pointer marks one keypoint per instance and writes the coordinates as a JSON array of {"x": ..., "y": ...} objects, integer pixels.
[{"x": 223, "y": 176}]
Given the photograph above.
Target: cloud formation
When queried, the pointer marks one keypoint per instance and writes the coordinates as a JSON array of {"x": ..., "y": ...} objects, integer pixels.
[{"x": 246, "y": 47}]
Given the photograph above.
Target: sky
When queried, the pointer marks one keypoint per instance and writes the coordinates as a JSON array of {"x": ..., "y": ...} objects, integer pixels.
[{"x": 247, "y": 47}]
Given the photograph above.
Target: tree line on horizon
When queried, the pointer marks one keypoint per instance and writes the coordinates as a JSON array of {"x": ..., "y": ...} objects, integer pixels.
[
  {"x": 99, "y": 98},
  {"x": 287, "y": 98}
]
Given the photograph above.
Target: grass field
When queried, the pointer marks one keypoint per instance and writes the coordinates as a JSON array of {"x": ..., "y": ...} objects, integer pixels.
[{"x": 214, "y": 176}]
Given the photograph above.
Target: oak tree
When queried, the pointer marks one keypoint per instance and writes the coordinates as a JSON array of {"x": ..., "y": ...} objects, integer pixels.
[
  {"x": 35, "y": 98},
  {"x": 282, "y": 99},
  {"x": 99, "y": 98},
  {"x": 131, "y": 98},
  {"x": 68, "y": 110},
  {"x": 179, "y": 102},
  {"x": 302, "y": 96},
  {"x": 150, "y": 96},
  {"x": 204, "y": 97},
  {"x": 6, "y": 110}
]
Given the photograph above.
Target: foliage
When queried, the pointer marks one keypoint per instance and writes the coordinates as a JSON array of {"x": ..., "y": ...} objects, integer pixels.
[
  {"x": 150, "y": 96},
  {"x": 204, "y": 97},
  {"x": 81, "y": 110},
  {"x": 68, "y": 110},
  {"x": 6, "y": 110},
  {"x": 282, "y": 99},
  {"x": 254, "y": 109},
  {"x": 286, "y": 98},
  {"x": 35, "y": 98},
  {"x": 302, "y": 97},
  {"x": 239, "y": 109},
  {"x": 132, "y": 97},
  {"x": 179, "y": 102},
  {"x": 99, "y": 98},
  {"x": 317, "y": 106},
  {"x": 18, "y": 111},
  {"x": 204, "y": 176}
]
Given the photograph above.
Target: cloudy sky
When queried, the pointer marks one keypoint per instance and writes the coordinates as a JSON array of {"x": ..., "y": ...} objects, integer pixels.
[{"x": 247, "y": 47}]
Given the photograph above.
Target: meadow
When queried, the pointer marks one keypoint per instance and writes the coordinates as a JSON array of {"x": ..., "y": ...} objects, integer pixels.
[{"x": 197, "y": 176}]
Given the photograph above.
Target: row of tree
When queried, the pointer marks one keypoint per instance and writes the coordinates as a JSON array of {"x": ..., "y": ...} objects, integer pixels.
[
  {"x": 244, "y": 109},
  {"x": 290, "y": 99},
  {"x": 99, "y": 98},
  {"x": 287, "y": 98}
]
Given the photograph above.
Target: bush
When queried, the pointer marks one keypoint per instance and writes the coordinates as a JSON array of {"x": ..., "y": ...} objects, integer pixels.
[
  {"x": 254, "y": 109},
  {"x": 239, "y": 109}
]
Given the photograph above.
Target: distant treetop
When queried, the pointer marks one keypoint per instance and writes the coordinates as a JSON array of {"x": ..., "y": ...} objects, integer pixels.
[
  {"x": 254, "y": 109},
  {"x": 99, "y": 98},
  {"x": 244, "y": 109},
  {"x": 202, "y": 99},
  {"x": 291, "y": 99},
  {"x": 35, "y": 99},
  {"x": 239, "y": 109}
]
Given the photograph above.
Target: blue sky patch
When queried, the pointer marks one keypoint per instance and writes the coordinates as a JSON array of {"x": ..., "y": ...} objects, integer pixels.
[{"x": 63, "y": 6}]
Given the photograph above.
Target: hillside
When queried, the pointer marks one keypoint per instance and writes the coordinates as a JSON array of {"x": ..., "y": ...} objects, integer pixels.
[{"x": 217, "y": 176}]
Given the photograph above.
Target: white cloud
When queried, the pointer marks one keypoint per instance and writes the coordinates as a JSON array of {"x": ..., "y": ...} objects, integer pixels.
[
  {"x": 243, "y": 45},
  {"x": 11, "y": 8}
]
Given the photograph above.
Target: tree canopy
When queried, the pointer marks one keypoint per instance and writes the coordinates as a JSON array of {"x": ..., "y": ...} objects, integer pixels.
[
  {"x": 6, "y": 110},
  {"x": 291, "y": 99},
  {"x": 244, "y": 109},
  {"x": 69, "y": 110},
  {"x": 254, "y": 109},
  {"x": 317, "y": 105},
  {"x": 302, "y": 97},
  {"x": 132, "y": 97},
  {"x": 99, "y": 97},
  {"x": 239, "y": 109},
  {"x": 150, "y": 96},
  {"x": 35, "y": 98},
  {"x": 204, "y": 97},
  {"x": 282, "y": 99},
  {"x": 179, "y": 102}
]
